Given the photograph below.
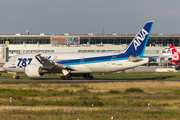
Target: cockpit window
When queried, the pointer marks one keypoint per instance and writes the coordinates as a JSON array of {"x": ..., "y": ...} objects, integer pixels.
[{"x": 9, "y": 59}]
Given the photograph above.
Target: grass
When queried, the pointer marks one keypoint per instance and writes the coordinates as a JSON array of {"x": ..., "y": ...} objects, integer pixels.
[
  {"x": 124, "y": 100},
  {"x": 134, "y": 90},
  {"x": 51, "y": 78},
  {"x": 155, "y": 74},
  {"x": 54, "y": 77},
  {"x": 88, "y": 115}
]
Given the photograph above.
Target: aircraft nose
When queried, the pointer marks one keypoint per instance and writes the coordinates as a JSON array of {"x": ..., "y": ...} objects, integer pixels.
[{"x": 5, "y": 66}]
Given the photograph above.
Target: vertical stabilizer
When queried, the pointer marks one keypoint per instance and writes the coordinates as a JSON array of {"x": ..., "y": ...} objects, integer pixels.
[
  {"x": 175, "y": 53},
  {"x": 138, "y": 44}
]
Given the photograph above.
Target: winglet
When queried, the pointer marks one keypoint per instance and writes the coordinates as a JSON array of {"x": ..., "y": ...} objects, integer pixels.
[{"x": 138, "y": 44}]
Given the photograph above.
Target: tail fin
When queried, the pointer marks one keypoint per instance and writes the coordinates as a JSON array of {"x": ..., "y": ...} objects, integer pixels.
[
  {"x": 175, "y": 53},
  {"x": 138, "y": 44}
]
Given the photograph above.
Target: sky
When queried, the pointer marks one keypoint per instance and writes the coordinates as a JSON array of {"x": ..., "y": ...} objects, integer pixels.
[{"x": 88, "y": 16}]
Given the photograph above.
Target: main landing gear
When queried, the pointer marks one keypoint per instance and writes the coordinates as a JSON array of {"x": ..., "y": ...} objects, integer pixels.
[
  {"x": 85, "y": 77},
  {"x": 88, "y": 77},
  {"x": 66, "y": 78}
]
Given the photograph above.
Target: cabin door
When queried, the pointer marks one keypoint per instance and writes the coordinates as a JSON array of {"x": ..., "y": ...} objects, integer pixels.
[
  {"x": 82, "y": 60},
  {"x": 113, "y": 60}
]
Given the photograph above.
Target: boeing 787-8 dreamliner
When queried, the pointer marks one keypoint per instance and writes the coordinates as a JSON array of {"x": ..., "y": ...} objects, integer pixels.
[{"x": 82, "y": 64}]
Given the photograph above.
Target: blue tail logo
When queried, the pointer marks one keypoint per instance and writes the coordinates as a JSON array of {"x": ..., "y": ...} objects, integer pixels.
[
  {"x": 141, "y": 36},
  {"x": 138, "y": 44}
]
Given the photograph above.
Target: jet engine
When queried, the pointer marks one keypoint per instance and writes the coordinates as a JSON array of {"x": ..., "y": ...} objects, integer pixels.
[{"x": 34, "y": 70}]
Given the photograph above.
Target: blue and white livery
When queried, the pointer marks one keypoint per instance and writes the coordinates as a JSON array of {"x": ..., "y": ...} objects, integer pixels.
[{"x": 82, "y": 64}]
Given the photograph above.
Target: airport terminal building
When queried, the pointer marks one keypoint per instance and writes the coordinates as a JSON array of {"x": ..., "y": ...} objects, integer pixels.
[{"x": 157, "y": 45}]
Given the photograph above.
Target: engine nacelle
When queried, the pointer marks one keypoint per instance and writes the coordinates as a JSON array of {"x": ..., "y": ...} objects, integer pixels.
[{"x": 34, "y": 70}]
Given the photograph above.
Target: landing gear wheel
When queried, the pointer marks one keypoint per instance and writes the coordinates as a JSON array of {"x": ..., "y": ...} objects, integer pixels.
[
  {"x": 63, "y": 78},
  {"x": 69, "y": 78},
  {"x": 88, "y": 77},
  {"x": 17, "y": 77},
  {"x": 91, "y": 77},
  {"x": 66, "y": 78}
]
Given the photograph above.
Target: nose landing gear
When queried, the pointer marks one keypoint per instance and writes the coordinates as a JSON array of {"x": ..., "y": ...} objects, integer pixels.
[{"x": 16, "y": 76}]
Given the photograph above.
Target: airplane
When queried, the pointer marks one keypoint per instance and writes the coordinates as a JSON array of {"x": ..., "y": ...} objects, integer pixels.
[
  {"x": 176, "y": 57},
  {"x": 82, "y": 64}
]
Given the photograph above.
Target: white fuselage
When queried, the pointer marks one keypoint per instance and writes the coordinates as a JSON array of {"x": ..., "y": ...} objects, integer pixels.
[{"x": 81, "y": 62}]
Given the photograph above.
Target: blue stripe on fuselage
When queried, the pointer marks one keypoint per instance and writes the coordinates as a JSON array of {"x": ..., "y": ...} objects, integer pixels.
[
  {"x": 122, "y": 56},
  {"x": 12, "y": 67}
]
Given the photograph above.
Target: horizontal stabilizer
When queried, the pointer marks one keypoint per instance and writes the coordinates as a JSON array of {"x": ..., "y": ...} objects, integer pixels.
[
  {"x": 155, "y": 57},
  {"x": 133, "y": 58}
]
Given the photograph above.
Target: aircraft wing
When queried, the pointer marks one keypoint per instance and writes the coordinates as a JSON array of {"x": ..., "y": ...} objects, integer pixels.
[
  {"x": 47, "y": 64},
  {"x": 155, "y": 57}
]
